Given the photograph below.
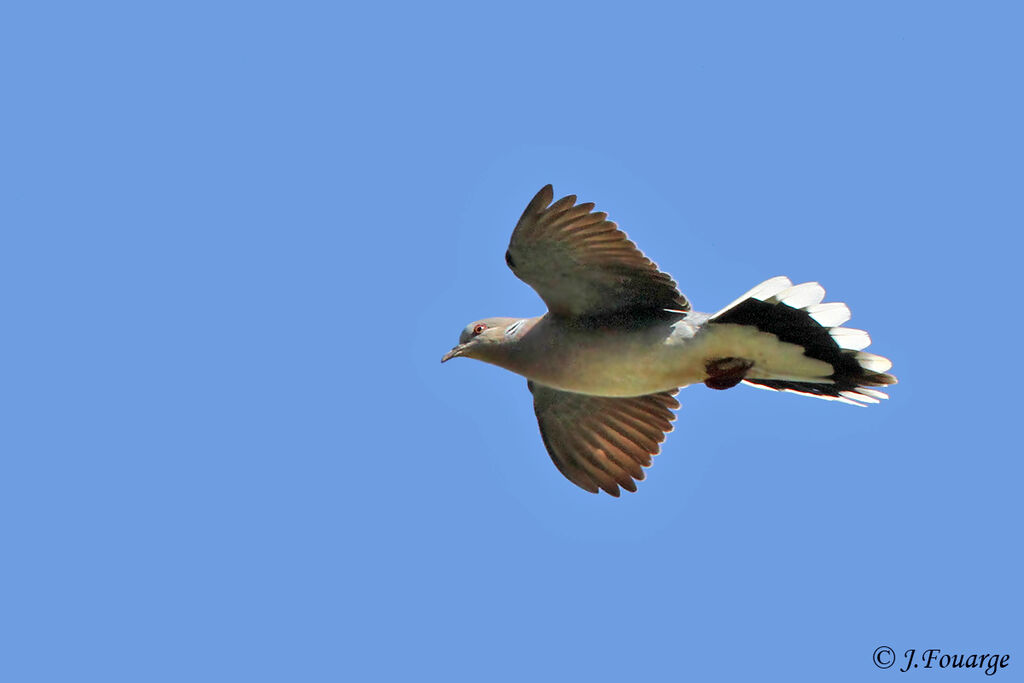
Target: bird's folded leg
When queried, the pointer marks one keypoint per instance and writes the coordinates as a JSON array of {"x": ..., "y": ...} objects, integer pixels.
[{"x": 725, "y": 373}]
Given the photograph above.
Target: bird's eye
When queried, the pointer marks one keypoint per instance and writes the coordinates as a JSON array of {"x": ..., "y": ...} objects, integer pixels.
[{"x": 479, "y": 328}]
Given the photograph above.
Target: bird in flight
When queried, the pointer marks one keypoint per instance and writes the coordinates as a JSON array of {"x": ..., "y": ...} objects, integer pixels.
[{"x": 605, "y": 362}]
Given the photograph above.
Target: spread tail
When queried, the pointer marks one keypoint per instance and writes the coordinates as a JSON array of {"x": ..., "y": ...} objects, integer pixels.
[{"x": 795, "y": 314}]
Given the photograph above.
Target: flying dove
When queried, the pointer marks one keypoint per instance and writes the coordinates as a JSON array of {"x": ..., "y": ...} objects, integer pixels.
[{"x": 619, "y": 339}]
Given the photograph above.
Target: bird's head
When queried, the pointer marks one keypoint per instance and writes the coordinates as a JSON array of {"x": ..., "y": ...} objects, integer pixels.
[{"x": 482, "y": 339}]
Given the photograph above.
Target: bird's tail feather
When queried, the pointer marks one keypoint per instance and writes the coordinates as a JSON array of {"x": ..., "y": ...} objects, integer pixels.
[{"x": 796, "y": 314}]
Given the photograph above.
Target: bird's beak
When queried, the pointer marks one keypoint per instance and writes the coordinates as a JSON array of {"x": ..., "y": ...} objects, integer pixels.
[{"x": 457, "y": 351}]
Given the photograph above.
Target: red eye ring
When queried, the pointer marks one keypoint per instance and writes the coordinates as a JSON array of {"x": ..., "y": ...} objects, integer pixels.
[{"x": 479, "y": 328}]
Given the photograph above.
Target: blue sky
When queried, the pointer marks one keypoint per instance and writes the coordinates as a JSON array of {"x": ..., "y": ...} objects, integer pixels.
[{"x": 239, "y": 237}]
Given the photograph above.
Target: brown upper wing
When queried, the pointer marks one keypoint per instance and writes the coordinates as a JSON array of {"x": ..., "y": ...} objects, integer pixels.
[
  {"x": 581, "y": 264},
  {"x": 599, "y": 442}
]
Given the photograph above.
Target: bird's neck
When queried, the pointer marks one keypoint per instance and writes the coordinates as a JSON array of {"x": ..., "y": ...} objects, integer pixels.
[{"x": 519, "y": 336}]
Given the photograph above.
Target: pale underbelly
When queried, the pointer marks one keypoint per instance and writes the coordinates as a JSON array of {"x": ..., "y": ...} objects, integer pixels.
[
  {"x": 631, "y": 374},
  {"x": 621, "y": 364}
]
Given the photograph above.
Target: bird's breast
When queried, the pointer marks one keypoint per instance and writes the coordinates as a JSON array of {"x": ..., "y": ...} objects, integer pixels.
[{"x": 610, "y": 360}]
